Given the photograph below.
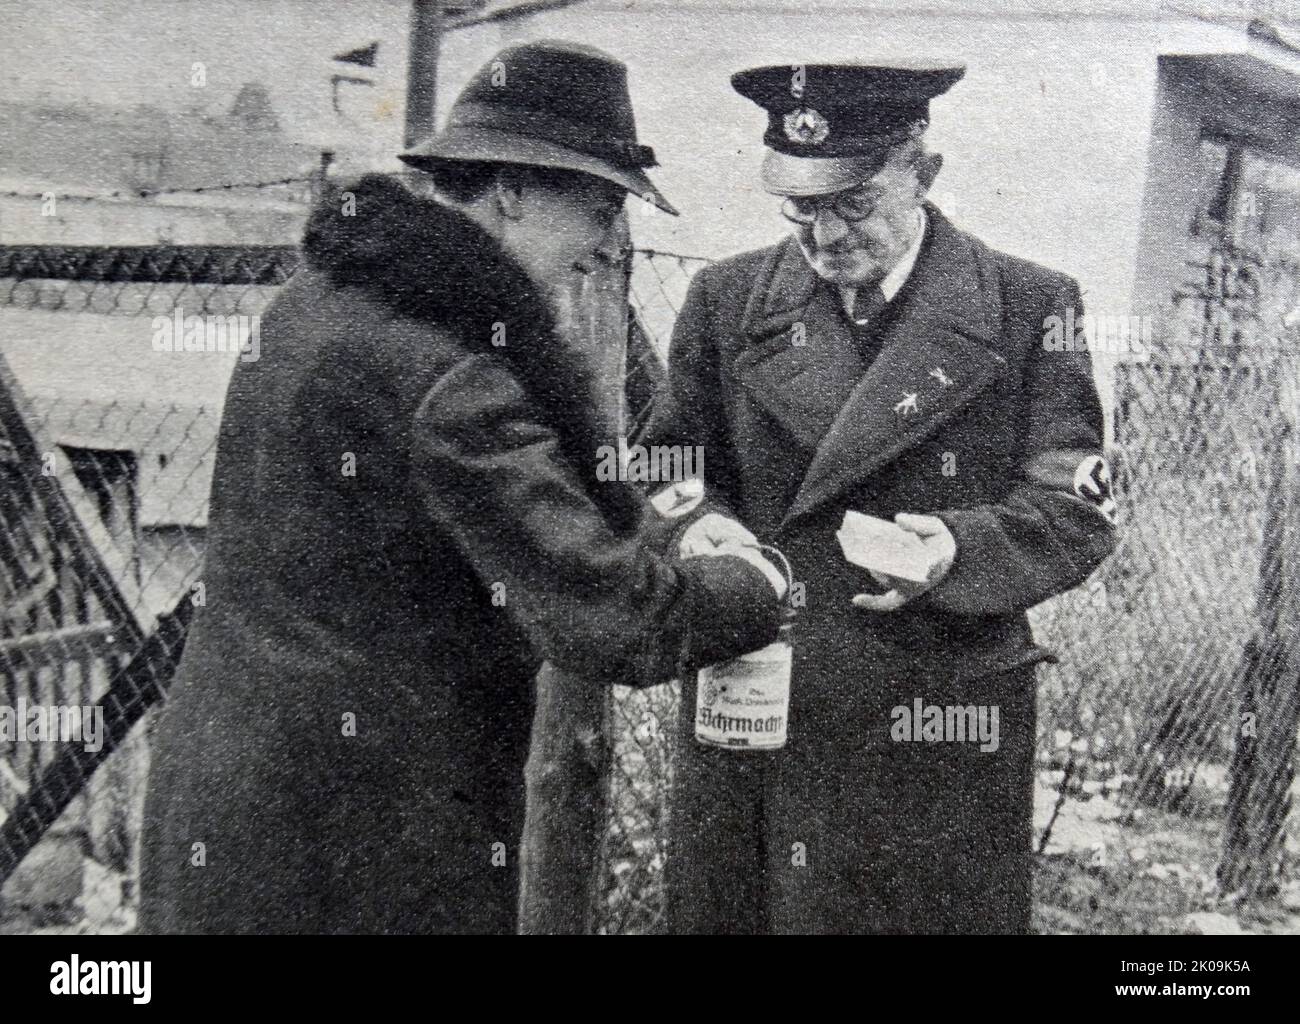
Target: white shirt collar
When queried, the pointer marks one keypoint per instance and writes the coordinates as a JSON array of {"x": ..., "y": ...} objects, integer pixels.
[{"x": 893, "y": 282}]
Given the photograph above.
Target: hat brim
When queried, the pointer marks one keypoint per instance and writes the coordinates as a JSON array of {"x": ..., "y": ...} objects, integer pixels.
[
  {"x": 786, "y": 175},
  {"x": 491, "y": 144}
]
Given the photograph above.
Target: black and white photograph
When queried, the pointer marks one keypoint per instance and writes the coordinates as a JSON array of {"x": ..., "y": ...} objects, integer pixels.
[{"x": 651, "y": 467}]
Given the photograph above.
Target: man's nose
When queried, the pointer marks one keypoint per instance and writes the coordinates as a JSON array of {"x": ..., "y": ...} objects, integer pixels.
[
  {"x": 828, "y": 227},
  {"x": 612, "y": 248},
  {"x": 616, "y": 243}
]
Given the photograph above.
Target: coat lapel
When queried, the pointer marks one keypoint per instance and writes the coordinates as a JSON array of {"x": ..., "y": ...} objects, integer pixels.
[
  {"x": 937, "y": 354},
  {"x": 800, "y": 363}
]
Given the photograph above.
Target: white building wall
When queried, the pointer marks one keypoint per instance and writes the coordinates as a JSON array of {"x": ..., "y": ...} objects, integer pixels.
[{"x": 1045, "y": 140}]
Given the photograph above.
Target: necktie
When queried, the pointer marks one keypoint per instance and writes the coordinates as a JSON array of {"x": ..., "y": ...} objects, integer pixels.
[{"x": 868, "y": 304}]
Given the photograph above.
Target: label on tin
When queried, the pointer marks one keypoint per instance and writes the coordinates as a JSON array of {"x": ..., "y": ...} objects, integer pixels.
[{"x": 745, "y": 702}]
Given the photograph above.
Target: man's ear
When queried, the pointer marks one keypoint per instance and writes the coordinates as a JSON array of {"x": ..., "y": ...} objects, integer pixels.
[
  {"x": 508, "y": 194},
  {"x": 927, "y": 169}
]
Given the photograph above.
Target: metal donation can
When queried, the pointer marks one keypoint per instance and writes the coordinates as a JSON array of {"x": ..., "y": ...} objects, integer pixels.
[{"x": 745, "y": 703}]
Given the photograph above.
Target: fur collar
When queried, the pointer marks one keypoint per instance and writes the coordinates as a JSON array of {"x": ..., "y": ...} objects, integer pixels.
[
  {"x": 427, "y": 261},
  {"x": 430, "y": 262}
]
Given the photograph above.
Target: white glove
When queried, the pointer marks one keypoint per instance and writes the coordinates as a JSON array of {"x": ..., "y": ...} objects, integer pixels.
[{"x": 713, "y": 534}]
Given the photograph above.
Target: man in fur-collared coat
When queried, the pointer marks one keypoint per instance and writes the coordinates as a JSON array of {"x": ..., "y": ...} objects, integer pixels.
[
  {"x": 404, "y": 521},
  {"x": 884, "y": 362}
]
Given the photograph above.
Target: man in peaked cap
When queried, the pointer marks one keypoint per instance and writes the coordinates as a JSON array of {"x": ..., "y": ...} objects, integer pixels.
[
  {"x": 405, "y": 519},
  {"x": 880, "y": 361}
]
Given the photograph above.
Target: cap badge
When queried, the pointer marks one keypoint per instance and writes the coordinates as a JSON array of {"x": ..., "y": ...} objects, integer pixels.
[{"x": 807, "y": 126}]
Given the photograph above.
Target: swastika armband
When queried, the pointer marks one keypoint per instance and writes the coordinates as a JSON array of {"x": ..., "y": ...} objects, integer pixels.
[
  {"x": 1092, "y": 483},
  {"x": 1085, "y": 474}
]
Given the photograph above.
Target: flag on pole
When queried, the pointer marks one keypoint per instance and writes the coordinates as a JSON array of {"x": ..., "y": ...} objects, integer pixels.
[{"x": 364, "y": 55}]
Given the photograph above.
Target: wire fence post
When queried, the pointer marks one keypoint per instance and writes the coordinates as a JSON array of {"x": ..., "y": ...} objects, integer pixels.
[
  {"x": 1263, "y": 767},
  {"x": 567, "y": 773}
]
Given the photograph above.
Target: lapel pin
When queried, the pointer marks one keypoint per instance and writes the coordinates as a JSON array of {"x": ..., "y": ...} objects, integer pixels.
[
  {"x": 944, "y": 380},
  {"x": 908, "y": 405}
]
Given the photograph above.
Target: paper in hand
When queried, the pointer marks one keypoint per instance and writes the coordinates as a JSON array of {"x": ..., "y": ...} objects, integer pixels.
[{"x": 883, "y": 547}]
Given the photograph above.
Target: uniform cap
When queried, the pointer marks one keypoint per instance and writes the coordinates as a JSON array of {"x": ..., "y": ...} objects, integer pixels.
[{"x": 830, "y": 125}]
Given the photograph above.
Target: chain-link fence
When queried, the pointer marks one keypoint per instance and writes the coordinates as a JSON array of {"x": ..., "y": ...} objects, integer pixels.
[{"x": 104, "y": 510}]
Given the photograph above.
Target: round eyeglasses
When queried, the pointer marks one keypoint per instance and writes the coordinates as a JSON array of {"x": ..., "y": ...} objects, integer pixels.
[{"x": 850, "y": 205}]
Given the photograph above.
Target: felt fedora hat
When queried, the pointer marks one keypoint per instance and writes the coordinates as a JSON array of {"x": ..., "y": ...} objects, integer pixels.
[
  {"x": 547, "y": 104},
  {"x": 829, "y": 126}
]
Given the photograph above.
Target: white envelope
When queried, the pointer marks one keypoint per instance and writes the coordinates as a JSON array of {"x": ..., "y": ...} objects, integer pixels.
[{"x": 883, "y": 547}]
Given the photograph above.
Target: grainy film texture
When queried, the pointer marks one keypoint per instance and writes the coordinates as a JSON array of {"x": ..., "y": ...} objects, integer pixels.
[{"x": 283, "y": 285}]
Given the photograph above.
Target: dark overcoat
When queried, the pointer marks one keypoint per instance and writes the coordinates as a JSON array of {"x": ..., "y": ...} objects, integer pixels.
[
  {"x": 967, "y": 414},
  {"x": 404, "y": 522}
]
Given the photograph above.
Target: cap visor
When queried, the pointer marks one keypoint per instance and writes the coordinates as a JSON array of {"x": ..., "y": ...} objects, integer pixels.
[
  {"x": 507, "y": 148},
  {"x": 786, "y": 175}
]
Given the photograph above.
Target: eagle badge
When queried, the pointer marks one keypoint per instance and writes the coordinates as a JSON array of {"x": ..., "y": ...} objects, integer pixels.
[
  {"x": 944, "y": 380},
  {"x": 807, "y": 126}
]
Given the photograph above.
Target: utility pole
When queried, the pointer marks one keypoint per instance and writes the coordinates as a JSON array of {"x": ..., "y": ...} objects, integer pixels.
[
  {"x": 571, "y": 754},
  {"x": 422, "y": 69}
]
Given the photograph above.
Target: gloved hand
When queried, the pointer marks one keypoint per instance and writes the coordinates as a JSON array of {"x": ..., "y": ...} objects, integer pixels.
[{"x": 713, "y": 534}]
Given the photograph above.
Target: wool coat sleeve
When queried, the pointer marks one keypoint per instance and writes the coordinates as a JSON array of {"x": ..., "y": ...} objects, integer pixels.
[
  {"x": 593, "y": 600},
  {"x": 686, "y": 412},
  {"x": 1055, "y": 524}
]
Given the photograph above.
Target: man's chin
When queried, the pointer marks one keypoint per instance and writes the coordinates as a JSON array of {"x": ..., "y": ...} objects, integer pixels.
[{"x": 847, "y": 271}]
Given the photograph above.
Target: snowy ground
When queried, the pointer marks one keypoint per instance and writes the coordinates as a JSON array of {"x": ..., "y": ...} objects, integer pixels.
[{"x": 1098, "y": 874}]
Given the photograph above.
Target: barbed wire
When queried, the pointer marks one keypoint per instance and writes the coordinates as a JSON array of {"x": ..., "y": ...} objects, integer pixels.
[
  {"x": 666, "y": 254},
  {"x": 149, "y": 193}
]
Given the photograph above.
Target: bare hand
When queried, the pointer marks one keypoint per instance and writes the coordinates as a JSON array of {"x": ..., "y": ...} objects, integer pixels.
[{"x": 940, "y": 546}]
